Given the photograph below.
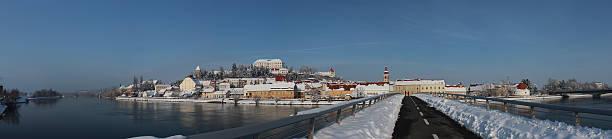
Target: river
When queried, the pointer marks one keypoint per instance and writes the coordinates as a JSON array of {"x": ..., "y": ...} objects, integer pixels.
[{"x": 87, "y": 117}]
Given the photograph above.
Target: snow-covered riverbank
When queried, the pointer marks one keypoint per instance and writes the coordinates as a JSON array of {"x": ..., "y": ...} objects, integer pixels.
[
  {"x": 229, "y": 101},
  {"x": 375, "y": 122},
  {"x": 497, "y": 124}
]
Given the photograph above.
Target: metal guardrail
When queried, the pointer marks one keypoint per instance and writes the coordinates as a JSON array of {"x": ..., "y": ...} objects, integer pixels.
[
  {"x": 532, "y": 106},
  {"x": 256, "y": 130}
]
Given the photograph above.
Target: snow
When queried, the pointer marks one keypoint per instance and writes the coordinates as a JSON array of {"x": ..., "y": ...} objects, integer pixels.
[
  {"x": 152, "y": 137},
  {"x": 419, "y": 82},
  {"x": 497, "y": 124},
  {"x": 376, "y": 121},
  {"x": 330, "y": 107}
]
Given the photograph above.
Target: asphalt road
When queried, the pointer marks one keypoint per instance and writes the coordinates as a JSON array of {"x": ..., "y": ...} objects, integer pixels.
[{"x": 419, "y": 121}]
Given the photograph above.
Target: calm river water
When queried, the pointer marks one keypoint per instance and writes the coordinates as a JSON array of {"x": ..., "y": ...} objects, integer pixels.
[{"x": 87, "y": 117}]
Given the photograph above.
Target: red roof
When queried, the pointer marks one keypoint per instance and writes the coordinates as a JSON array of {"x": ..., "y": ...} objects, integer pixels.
[
  {"x": 521, "y": 86},
  {"x": 331, "y": 69},
  {"x": 368, "y": 83},
  {"x": 455, "y": 86},
  {"x": 347, "y": 87},
  {"x": 280, "y": 78}
]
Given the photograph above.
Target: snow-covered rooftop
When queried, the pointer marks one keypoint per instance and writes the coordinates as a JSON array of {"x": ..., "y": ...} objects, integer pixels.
[
  {"x": 269, "y": 60},
  {"x": 419, "y": 82}
]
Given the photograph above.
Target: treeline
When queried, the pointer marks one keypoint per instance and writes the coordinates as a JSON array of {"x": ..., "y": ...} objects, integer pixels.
[
  {"x": 46, "y": 93},
  {"x": 244, "y": 72},
  {"x": 572, "y": 85},
  {"x": 235, "y": 71},
  {"x": 9, "y": 96}
]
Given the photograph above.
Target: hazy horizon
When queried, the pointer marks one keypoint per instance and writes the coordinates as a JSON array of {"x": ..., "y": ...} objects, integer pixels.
[{"x": 83, "y": 45}]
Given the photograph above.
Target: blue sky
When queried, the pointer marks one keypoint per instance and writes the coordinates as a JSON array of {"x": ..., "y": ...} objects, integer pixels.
[{"x": 75, "y": 45}]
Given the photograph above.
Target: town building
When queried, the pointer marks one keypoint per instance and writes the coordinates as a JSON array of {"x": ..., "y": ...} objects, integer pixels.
[
  {"x": 207, "y": 92},
  {"x": 268, "y": 91},
  {"x": 339, "y": 90},
  {"x": 162, "y": 87},
  {"x": 190, "y": 84},
  {"x": 599, "y": 85},
  {"x": 521, "y": 90},
  {"x": 455, "y": 89},
  {"x": 412, "y": 86},
  {"x": 281, "y": 71},
  {"x": 230, "y": 93},
  {"x": 223, "y": 86},
  {"x": 330, "y": 73},
  {"x": 126, "y": 89},
  {"x": 238, "y": 82},
  {"x": 373, "y": 88},
  {"x": 269, "y": 63},
  {"x": 478, "y": 89}
]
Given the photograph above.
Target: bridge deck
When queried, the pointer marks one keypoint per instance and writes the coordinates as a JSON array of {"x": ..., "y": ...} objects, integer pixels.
[{"x": 419, "y": 121}]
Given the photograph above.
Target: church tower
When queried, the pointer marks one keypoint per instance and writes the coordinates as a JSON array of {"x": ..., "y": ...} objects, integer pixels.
[
  {"x": 197, "y": 73},
  {"x": 386, "y": 75}
]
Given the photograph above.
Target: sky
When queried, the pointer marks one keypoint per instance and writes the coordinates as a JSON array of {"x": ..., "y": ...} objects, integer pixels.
[{"x": 72, "y": 45}]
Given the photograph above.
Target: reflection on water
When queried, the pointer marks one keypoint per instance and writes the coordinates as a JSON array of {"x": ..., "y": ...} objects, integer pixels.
[
  {"x": 11, "y": 116},
  {"x": 45, "y": 102},
  {"x": 97, "y": 118}
]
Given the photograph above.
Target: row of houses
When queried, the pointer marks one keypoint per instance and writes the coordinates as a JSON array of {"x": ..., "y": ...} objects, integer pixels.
[
  {"x": 514, "y": 89},
  {"x": 278, "y": 87}
]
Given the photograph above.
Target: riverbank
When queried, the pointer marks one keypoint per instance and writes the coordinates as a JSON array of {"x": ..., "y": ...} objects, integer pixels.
[{"x": 229, "y": 101}]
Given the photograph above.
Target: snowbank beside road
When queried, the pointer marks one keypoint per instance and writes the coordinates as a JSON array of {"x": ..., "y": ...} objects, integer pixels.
[
  {"x": 497, "y": 124},
  {"x": 376, "y": 121}
]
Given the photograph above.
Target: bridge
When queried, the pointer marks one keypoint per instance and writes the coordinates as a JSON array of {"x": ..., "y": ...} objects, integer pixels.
[
  {"x": 595, "y": 93},
  {"x": 418, "y": 117}
]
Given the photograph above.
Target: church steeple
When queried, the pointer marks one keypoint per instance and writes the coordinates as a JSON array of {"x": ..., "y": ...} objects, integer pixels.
[
  {"x": 197, "y": 74},
  {"x": 386, "y": 74}
]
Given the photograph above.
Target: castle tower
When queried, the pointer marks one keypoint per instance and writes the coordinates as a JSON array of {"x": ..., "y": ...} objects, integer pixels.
[{"x": 386, "y": 75}]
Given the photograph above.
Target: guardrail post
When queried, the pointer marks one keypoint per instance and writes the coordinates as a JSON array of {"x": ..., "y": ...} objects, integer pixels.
[
  {"x": 338, "y": 116},
  {"x": 353, "y": 112},
  {"x": 532, "y": 112},
  {"x": 577, "y": 119},
  {"x": 487, "y": 103},
  {"x": 363, "y": 105},
  {"x": 312, "y": 128},
  {"x": 506, "y": 106}
]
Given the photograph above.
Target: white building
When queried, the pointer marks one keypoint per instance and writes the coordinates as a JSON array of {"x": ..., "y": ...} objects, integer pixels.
[
  {"x": 330, "y": 73},
  {"x": 599, "y": 85},
  {"x": 455, "y": 89},
  {"x": 223, "y": 86},
  {"x": 269, "y": 63},
  {"x": 279, "y": 71},
  {"x": 191, "y": 85},
  {"x": 241, "y": 82},
  {"x": 374, "y": 89}
]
